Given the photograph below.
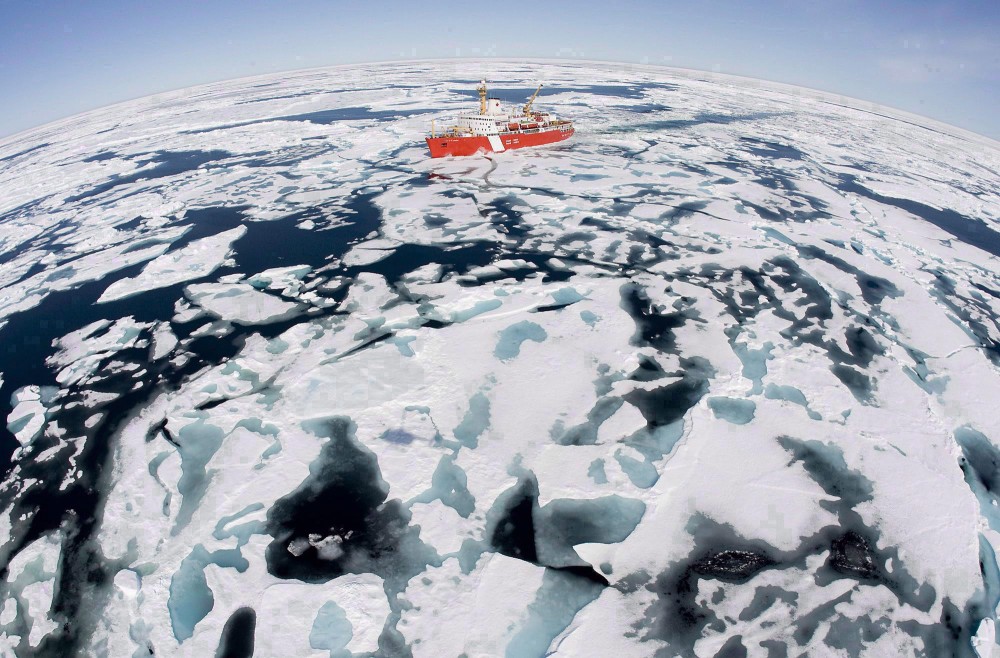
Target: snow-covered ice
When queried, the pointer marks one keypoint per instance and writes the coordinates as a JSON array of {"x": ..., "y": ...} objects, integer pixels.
[{"x": 716, "y": 376}]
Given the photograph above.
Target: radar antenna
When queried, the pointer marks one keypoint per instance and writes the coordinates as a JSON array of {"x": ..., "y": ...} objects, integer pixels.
[{"x": 527, "y": 106}]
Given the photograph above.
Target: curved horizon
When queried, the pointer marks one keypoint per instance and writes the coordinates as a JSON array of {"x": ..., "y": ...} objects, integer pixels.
[
  {"x": 266, "y": 359},
  {"x": 938, "y": 59},
  {"x": 845, "y": 99}
]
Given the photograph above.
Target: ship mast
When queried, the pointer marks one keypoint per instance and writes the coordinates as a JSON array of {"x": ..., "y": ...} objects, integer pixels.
[
  {"x": 482, "y": 96},
  {"x": 527, "y": 106}
]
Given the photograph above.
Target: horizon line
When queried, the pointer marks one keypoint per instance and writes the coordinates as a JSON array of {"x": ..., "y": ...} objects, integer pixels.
[{"x": 823, "y": 95}]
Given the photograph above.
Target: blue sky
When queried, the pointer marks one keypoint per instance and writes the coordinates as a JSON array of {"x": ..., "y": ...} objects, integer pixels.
[{"x": 938, "y": 59}]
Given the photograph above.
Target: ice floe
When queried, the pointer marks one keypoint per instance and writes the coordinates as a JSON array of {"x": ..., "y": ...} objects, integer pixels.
[
  {"x": 194, "y": 261},
  {"x": 715, "y": 376}
]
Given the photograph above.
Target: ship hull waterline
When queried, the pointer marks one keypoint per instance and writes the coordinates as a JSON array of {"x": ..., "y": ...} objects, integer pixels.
[{"x": 472, "y": 144}]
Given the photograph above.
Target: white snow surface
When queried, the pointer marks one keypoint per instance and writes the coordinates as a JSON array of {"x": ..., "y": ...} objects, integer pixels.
[
  {"x": 198, "y": 259},
  {"x": 240, "y": 303},
  {"x": 719, "y": 371}
]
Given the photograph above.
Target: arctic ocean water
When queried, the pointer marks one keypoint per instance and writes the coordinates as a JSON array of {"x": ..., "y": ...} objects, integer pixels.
[{"x": 712, "y": 377}]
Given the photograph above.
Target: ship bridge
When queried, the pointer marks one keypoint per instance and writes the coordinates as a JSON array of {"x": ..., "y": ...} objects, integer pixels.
[
  {"x": 490, "y": 122},
  {"x": 496, "y": 129}
]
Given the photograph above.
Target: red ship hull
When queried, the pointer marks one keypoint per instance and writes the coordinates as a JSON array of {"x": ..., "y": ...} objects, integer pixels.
[{"x": 472, "y": 144}]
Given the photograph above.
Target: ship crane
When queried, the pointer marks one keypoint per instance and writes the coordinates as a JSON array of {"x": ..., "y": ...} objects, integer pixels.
[
  {"x": 496, "y": 129},
  {"x": 527, "y": 106}
]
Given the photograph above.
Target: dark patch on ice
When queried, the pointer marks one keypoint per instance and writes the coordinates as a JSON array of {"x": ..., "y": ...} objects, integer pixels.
[
  {"x": 165, "y": 163},
  {"x": 449, "y": 484},
  {"x": 18, "y": 154},
  {"x": 513, "y": 533},
  {"x": 772, "y": 150},
  {"x": 778, "y": 181},
  {"x": 764, "y": 597},
  {"x": 435, "y": 221},
  {"x": 409, "y": 257},
  {"x": 968, "y": 230},
  {"x": 732, "y": 565},
  {"x": 517, "y": 527},
  {"x": 654, "y": 326},
  {"x": 598, "y": 223},
  {"x": 989, "y": 291},
  {"x": 237, "y": 639},
  {"x": 792, "y": 279},
  {"x": 859, "y": 384},
  {"x": 775, "y": 648},
  {"x": 664, "y": 405},
  {"x": 368, "y": 338},
  {"x": 519, "y": 95},
  {"x": 874, "y": 289},
  {"x": 351, "y": 114},
  {"x": 854, "y": 636},
  {"x": 564, "y": 523},
  {"x": 139, "y": 245},
  {"x": 806, "y": 323},
  {"x": 574, "y": 236},
  {"x": 648, "y": 370},
  {"x": 825, "y": 464},
  {"x": 719, "y": 554},
  {"x": 551, "y": 307},
  {"x": 853, "y": 553},
  {"x": 211, "y": 404},
  {"x": 974, "y": 314},
  {"x": 733, "y": 648},
  {"x": 301, "y": 94},
  {"x": 734, "y": 410},
  {"x": 697, "y": 120},
  {"x": 649, "y": 108},
  {"x": 101, "y": 157},
  {"x": 980, "y": 464},
  {"x": 863, "y": 346},
  {"x": 763, "y": 174},
  {"x": 852, "y": 556},
  {"x": 339, "y": 521},
  {"x": 161, "y": 428},
  {"x": 742, "y": 305},
  {"x": 322, "y": 117},
  {"x": 765, "y": 213},
  {"x": 685, "y": 209},
  {"x": 508, "y": 221},
  {"x": 586, "y": 432},
  {"x": 807, "y": 624},
  {"x": 398, "y": 436}
]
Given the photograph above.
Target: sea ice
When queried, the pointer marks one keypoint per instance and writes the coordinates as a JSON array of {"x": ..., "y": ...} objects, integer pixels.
[
  {"x": 767, "y": 421},
  {"x": 198, "y": 259},
  {"x": 241, "y": 303}
]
